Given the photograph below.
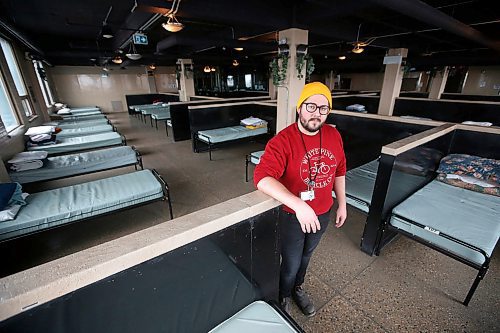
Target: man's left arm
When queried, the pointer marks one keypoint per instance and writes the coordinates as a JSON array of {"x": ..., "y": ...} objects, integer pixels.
[{"x": 339, "y": 189}]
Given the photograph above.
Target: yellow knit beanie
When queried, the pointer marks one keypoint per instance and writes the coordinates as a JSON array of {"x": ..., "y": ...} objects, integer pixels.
[{"x": 314, "y": 88}]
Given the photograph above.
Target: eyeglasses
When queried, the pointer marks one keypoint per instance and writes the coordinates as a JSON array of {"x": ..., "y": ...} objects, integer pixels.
[{"x": 323, "y": 109}]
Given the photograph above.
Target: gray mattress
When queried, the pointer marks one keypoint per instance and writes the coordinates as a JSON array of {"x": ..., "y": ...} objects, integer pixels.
[
  {"x": 360, "y": 183},
  {"x": 76, "y": 164},
  {"x": 81, "y": 143},
  {"x": 229, "y": 133},
  {"x": 83, "y": 123},
  {"x": 84, "y": 109},
  {"x": 255, "y": 156},
  {"x": 463, "y": 214},
  {"x": 161, "y": 115},
  {"x": 59, "y": 206},
  {"x": 68, "y": 119},
  {"x": 256, "y": 317},
  {"x": 81, "y": 131},
  {"x": 82, "y": 114}
]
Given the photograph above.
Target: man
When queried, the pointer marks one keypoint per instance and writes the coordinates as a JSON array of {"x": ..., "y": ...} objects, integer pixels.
[{"x": 300, "y": 167}]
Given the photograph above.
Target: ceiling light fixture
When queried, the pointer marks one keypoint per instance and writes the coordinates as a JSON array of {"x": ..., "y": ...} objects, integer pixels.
[
  {"x": 106, "y": 31},
  {"x": 235, "y": 63},
  {"x": 172, "y": 24},
  {"x": 212, "y": 69},
  {"x": 342, "y": 57},
  {"x": 206, "y": 69},
  {"x": 117, "y": 60},
  {"x": 238, "y": 49},
  {"x": 357, "y": 49},
  {"x": 152, "y": 67},
  {"x": 132, "y": 52}
]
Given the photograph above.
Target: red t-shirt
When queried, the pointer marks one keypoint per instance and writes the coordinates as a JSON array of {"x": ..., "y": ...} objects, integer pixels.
[{"x": 285, "y": 159}]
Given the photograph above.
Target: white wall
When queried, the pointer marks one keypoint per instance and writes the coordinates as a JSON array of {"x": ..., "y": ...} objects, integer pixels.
[
  {"x": 365, "y": 81},
  {"x": 481, "y": 81},
  {"x": 84, "y": 85}
]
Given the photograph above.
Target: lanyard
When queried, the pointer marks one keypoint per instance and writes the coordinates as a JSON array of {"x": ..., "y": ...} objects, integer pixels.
[{"x": 311, "y": 180}]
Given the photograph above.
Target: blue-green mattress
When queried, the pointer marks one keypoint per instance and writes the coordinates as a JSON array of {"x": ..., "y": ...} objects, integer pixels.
[
  {"x": 229, "y": 133},
  {"x": 81, "y": 143},
  {"x": 81, "y": 131}
]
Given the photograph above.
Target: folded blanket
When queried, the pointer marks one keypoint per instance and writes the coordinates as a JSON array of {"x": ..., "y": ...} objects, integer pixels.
[
  {"x": 26, "y": 156},
  {"x": 40, "y": 130},
  {"x": 28, "y": 165},
  {"x": 64, "y": 111},
  {"x": 253, "y": 121},
  {"x": 10, "y": 212},
  {"x": 477, "y": 123},
  {"x": 356, "y": 107},
  {"x": 41, "y": 139}
]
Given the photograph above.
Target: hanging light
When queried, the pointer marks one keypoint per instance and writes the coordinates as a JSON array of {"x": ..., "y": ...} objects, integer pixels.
[
  {"x": 132, "y": 52},
  {"x": 357, "y": 49},
  {"x": 206, "y": 69},
  {"x": 106, "y": 31},
  {"x": 152, "y": 67},
  {"x": 342, "y": 57},
  {"x": 172, "y": 24},
  {"x": 238, "y": 49},
  {"x": 212, "y": 69},
  {"x": 235, "y": 63},
  {"x": 117, "y": 60}
]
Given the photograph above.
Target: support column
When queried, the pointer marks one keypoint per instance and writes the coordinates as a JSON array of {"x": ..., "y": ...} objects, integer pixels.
[
  {"x": 330, "y": 80},
  {"x": 289, "y": 91},
  {"x": 272, "y": 89},
  {"x": 393, "y": 78},
  {"x": 186, "y": 88},
  {"x": 151, "y": 81},
  {"x": 438, "y": 83}
]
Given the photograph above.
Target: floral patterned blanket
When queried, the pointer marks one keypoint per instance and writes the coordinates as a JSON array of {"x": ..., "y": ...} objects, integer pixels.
[{"x": 471, "y": 172}]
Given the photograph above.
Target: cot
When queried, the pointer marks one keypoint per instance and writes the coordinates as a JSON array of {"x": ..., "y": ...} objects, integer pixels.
[
  {"x": 253, "y": 158},
  {"x": 57, "y": 207},
  {"x": 458, "y": 222},
  {"x": 86, "y": 142},
  {"x": 225, "y": 135},
  {"x": 78, "y": 164},
  {"x": 85, "y": 130}
]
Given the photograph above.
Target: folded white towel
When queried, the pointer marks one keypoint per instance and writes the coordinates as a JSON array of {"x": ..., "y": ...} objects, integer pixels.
[
  {"x": 40, "y": 137},
  {"x": 64, "y": 111},
  {"x": 40, "y": 130},
  {"x": 28, "y": 165},
  {"x": 27, "y": 156},
  {"x": 252, "y": 121},
  {"x": 477, "y": 123}
]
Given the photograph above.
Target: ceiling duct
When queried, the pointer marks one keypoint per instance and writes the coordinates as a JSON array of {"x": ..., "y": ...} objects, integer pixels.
[{"x": 430, "y": 15}]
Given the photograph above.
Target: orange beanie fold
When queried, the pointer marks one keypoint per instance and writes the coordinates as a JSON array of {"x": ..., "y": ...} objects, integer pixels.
[{"x": 314, "y": 88}]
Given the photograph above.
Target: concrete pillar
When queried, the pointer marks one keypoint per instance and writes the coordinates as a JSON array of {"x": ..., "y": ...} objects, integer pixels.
[
  {"x": 393, "y": 78},
  {"x": 272, "y": 89},
  {"x": 289, "y": 91},
  {"x": 438, "y": 83},
  {"x": 186, "y": 88},
  {"x": 151, "y": 81}
]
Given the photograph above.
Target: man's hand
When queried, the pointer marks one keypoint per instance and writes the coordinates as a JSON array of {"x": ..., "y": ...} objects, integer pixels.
[
  {"x": 307, "y": 218},
  {"x": 341, "y": 216}
]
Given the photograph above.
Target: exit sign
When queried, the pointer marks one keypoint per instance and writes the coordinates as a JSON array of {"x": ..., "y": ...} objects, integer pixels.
[{"x": 140, "y": 39}]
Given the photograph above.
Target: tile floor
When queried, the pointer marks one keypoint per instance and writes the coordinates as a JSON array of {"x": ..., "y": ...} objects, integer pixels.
[{"x": 408, "y": 288}]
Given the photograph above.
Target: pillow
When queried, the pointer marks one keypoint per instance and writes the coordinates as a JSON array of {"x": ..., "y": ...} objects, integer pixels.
[
  {"x": 40, "y": 130},
  {"x": 6, "y": 192},
  {"x": 471, "y": 172},
  {"x": 10, "y": 212},
  {"x": 64, "y": 111}
]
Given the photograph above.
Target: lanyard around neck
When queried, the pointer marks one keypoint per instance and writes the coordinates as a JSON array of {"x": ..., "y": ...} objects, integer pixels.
[{"x": 311, "y": 180}]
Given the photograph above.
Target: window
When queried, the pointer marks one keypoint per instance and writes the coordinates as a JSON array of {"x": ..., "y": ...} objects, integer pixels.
[
  {"x": 42, "y": 81},
  {"x": 248, "y": 81},
  {"x": 7, "y": 110},
  {"x": 230, "y": 81},
  {"x": 17, "y": 77}
]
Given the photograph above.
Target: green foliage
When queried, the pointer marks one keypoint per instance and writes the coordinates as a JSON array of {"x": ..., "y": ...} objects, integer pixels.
[
  {"x": 308, "y": 61},
  {"x": 278, "y": 68}
]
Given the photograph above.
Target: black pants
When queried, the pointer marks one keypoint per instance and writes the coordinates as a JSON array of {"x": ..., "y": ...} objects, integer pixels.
[{"x": 296, "y": 250}]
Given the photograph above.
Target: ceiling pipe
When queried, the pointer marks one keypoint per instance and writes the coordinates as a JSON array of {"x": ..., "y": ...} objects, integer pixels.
[
  {"x": 430, "y": 15},
  {"x": 20, "y": 37}
]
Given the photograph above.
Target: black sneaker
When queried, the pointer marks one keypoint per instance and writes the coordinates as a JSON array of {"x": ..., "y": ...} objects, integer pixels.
[
  {"x": 303, "y": 302},
  {"x": 285, "y": 304}
]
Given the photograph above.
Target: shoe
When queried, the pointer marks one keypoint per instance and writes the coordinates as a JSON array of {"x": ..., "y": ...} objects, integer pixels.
[
  {"x": 285, "y": 304},
  {"x": 303, "y": 302}
]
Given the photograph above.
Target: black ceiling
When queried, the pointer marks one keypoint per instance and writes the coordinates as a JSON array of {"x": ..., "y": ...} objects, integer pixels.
[{"x": 436, "y": 32}]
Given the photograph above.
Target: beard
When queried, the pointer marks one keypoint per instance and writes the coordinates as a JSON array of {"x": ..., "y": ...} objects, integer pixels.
[{"x": 312, "y": 125}]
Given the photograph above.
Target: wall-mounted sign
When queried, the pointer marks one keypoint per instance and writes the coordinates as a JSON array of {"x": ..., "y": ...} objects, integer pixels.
[
  {"x": 392, "y": 60},
  {"x": 140, "y": 39}
]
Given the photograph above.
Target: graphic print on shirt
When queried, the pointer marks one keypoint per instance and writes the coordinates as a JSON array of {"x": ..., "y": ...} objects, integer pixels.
[{"x": 323, "y": 164}]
